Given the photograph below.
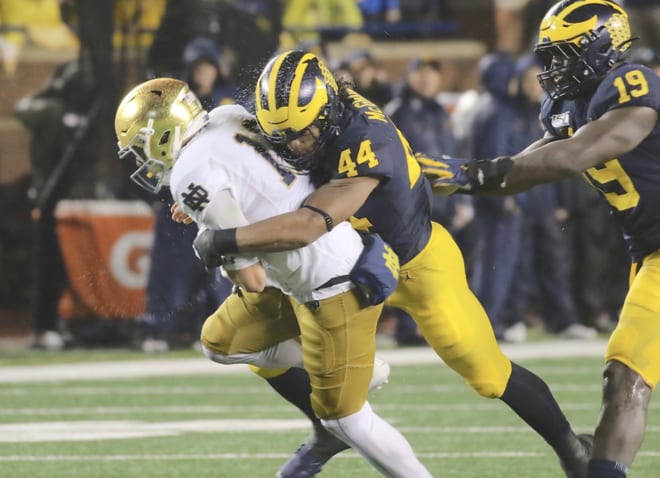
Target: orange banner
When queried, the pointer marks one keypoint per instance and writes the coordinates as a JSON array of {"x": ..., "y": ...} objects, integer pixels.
[{"x": 106, "y": 247}]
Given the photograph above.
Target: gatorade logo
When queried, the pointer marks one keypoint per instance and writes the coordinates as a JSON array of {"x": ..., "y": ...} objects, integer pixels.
[{"x": 130, "y": 259}]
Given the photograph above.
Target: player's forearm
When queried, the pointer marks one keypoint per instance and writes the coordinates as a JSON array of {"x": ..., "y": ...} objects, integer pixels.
[
  {"x": 539, "y": 143},
  {"x": 610, "y": 136},
  {"x": 553, "y": 161},
  {"x": 281, "y": 233}
]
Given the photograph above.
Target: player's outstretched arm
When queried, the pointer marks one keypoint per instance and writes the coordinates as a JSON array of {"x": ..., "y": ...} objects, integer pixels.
[
  {"x": 331, "y": 204},
  {"x": 610, "y": 136}
]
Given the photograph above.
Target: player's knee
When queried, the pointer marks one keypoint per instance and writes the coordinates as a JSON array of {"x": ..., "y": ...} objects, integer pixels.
[
  {"x": 492, "y": 381},
  {"x": 267, "y": 372},
  {"x": 487, "y": 375},
  {"x": 209, "y": 338},
  {"x": 229, "y": 359},
  {"x": 624, "y": 386},
  {"x": 488, "y": 389},
  {"x": 327, "y": 404},
  {"x": 215, "y": 356}
]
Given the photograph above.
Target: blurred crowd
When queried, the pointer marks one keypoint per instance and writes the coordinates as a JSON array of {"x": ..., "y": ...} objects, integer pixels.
[{"x": 549, "y": 257}]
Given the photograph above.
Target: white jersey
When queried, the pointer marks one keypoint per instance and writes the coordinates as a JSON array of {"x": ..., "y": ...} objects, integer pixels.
[{"x": 228, "y": 177}]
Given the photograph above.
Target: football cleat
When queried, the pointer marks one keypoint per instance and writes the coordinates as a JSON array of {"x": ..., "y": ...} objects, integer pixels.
[
  {"x": 308, "y": 460},
  {"x": 576, "y": 466}
]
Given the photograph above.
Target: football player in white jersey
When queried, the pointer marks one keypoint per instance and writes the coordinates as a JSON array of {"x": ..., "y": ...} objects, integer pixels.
[{"x": 222, "y": 174}]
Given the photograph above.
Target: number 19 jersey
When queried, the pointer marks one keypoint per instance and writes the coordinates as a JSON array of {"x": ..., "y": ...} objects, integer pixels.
[{"x": 630, "y": 183}]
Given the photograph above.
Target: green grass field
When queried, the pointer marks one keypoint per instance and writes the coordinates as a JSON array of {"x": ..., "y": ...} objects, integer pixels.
[{"x": 234, "y": 426}]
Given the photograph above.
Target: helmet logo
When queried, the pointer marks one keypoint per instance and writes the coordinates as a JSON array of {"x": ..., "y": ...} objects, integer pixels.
[
  {"x": 619, "y": 30},
  {"x": 577, "y": 18}
]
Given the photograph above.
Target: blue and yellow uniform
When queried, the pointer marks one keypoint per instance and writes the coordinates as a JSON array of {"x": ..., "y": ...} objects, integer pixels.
[
  {"x": 433, "y": 287},
  {"x": 631, "y": 186}
]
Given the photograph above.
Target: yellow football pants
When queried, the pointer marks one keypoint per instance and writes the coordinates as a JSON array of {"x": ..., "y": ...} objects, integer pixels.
[
  {"x": 433, "y": 289},
  {"x": 636, "y": 338}
]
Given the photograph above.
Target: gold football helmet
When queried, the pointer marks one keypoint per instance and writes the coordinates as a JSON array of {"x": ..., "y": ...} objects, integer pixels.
[
  {"x": 579, "y": 42},
  {"x": 294, "y": 91},
  {"x": 153, "y": 122}
]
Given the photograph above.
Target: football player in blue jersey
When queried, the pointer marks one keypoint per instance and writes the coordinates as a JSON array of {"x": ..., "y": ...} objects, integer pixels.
[
  {"x": 601, "y": 120},
  {"x": 365, "y": 172}
]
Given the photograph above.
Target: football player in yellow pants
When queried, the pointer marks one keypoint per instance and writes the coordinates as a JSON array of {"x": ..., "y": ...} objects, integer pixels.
[
  {"x": 601, "y": 117},
  {"x": 365, "y": 171},
  {"x": 330, "y": 293}
]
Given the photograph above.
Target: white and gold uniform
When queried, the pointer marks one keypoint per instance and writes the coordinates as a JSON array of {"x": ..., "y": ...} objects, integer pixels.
[
  {"x": 222, "y": 174},
  {"x": 227, "y": 177}
]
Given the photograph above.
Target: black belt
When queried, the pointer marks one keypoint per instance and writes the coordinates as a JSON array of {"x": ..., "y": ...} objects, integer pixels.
[
  {"x": 334, "y": 281},
  {"x": 314, "y": 305}
]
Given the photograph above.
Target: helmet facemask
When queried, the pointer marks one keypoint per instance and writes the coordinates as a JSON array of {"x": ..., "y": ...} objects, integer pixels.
[
  {"x": 566, "y": 73},
  {"x": 152, "y": 174}
]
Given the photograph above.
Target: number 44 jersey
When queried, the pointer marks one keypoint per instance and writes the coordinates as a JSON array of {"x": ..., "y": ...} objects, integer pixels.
[
  {"x": 630, "y": 183},
  {"x": 227, "y": 176}
]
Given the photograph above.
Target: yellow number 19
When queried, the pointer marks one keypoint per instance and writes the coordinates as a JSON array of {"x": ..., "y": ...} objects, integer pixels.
[{"x": 634, "y": 86}]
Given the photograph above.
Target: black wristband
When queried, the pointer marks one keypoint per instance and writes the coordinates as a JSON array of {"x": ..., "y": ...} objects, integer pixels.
[
  {"x": 329, "y": 223},
  {"x": 224, "y": 241}
]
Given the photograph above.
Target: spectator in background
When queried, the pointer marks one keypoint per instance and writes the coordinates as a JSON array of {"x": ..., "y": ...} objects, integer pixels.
[
  {"x": 644, "y": 18},
  {"x": 370, "y": 77},
  {"x": 66, "y": 143},
  {"x": 462, "y": 117},
  {"x": 498, "y": 220},
  {"x": 179, "y": 290},
  {"x": 596, "y": 255},
  {"x": 417, "y": 111},
  {"x": 252, "y": 27},
  {"x": 183, "y": 20},
  {"x": 207, "y": 73},
  {"x": 378, "y": 11},
  {"x": 52, "y": 115},
  {"x": 647, "y": 56},
  {"x": 423, "y": 10},
  {"x": 305, "y": 20},
  {"x": 515, "y": 23},
  {"x": 341, "y": 70},
  {"x": 38, "y": 22},
  {"x": 542, "y": 259},
  {"x": 423, "y": 120}
]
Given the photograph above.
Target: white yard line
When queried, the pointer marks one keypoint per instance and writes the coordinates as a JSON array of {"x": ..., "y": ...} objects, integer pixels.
[
  {"x": 268, "y": 456},
  {"x": 197, "y": 366},
  {"x": 249, "y": 456}
]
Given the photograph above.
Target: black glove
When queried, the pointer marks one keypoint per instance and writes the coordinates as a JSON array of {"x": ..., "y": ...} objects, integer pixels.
[
  {"x": 488, "y": 174},
  {"x": 449, "y": 175}
]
